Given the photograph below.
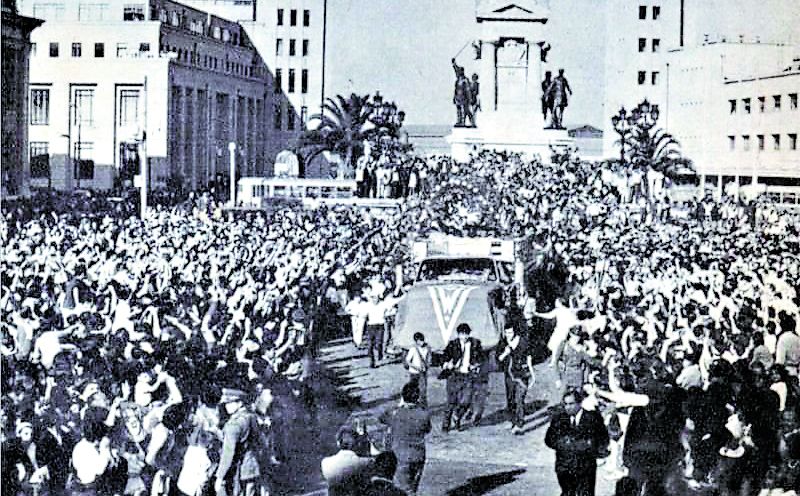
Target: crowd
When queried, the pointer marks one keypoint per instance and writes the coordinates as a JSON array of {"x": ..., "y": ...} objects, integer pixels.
[
  {"x": 676, "y": 324},
  {"x": 121, "y": 336}
]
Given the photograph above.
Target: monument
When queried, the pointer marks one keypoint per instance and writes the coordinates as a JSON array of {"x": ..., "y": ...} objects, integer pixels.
[{"x": 512, "y": 102}]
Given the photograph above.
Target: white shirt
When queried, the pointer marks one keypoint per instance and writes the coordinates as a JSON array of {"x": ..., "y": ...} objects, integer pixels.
[
  {"x": 89, "y": 461},
  {"x": 465, "y": 358}
]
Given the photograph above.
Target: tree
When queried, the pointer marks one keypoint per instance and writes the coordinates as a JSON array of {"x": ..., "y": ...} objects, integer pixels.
[
  {"x": 344, "y": 125},
  {"x": 649, "y": 148}
]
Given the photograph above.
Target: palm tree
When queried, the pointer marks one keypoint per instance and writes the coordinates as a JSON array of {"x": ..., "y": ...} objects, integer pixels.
[
  {"x": 659, "y": 152},
  {"x": 344, "y": 124}
]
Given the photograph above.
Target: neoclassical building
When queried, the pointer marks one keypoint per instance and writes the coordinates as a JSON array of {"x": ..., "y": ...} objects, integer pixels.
[{"x": 16, "y": 52}]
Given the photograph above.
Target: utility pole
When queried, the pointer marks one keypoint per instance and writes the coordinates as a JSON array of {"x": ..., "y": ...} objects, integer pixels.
[
  {"x": 232, "y": 153},
  {"x": 145, "y": 165}
]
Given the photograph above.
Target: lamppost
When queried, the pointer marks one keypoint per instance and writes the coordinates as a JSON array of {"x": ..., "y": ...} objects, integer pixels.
[
  {"x": 622, "y": 122},
  {"x": 232, "y": 153}
]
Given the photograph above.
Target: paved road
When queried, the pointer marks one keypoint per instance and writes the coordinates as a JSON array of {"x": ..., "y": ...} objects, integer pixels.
[{"x": 486, "y": 459}]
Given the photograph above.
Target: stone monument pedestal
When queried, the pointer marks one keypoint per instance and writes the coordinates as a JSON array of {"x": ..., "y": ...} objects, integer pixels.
[
  {"x": 530, "y": 142},
  {"x": 511, "y": 67}
]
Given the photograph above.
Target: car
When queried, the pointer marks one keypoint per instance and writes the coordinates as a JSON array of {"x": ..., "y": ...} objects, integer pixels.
[{"x": 458, "y": 280}]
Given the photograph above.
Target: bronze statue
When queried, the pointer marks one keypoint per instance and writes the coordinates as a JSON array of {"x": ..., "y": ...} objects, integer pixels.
[
  {"x": 474, "y": 99},
  {"x": 462, "y": 96},
  {"x": 547, "y": 95},
  {"x": 560, "y": 90}
]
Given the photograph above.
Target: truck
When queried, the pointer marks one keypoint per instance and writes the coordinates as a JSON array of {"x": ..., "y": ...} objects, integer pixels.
[{"x": 458, "y": 280}]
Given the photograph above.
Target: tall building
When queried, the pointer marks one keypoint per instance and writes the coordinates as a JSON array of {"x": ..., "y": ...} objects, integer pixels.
[
  {"x": 106, "y": 75},
  {"x": 290, "y": 34},
  {"x": 16, "y": 53},
  {"x": 638, "y": 36},
  {"x": 732, "y": 106}
]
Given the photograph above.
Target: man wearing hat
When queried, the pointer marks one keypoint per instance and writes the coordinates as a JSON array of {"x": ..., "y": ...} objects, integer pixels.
[{"x": 238, "y": 472}]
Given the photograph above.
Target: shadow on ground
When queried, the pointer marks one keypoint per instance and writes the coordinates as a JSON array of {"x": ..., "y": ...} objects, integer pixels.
[{"x": 485, "y": 483}]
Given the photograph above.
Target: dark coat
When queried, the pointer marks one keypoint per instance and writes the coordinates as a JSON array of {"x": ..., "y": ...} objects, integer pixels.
[
  {"x": 577, "y": 448},
  {"x": 409, "y": 426},
  {"x": 453, "y": 352}
]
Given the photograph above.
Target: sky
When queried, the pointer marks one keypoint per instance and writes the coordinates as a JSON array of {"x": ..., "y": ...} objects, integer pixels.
[{"x": 403, "y": 48}]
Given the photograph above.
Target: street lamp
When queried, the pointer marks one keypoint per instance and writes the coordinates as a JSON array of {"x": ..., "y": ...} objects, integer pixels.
[{"x": 623, "y": 122}]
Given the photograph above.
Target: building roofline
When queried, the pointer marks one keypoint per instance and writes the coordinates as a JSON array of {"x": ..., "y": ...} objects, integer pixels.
[{"x": 794, "y": 72}]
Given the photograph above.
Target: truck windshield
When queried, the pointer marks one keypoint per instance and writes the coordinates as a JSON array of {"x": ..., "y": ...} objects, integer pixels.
[{"x": 454, "y": 269}]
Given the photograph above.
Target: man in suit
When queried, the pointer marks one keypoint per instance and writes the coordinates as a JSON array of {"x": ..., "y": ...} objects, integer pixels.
[
  {"x": 409, "y": 424},
  {"x": 462, "y": 361},
  {"x": 579, "y": 437}
]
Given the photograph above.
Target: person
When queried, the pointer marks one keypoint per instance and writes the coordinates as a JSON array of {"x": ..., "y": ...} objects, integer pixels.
[
  {"x": 345, "y": 472},
  {"x": 578, "y": 437},
  {"x": 474, "y": 99},
  {"x": 238, "y": 472},
  {"x": 461, "y": 95},
  {"x": 409, "y": 424},
  {"x": 547, "y": 95},
  {"x": 418, "y": 360},
  {"x": 381, "y": 483},
  {"x": 462, "y": 359},
  {"x": 96, "y": 464},
  {"x": 376, "y": 320},
  {"x": 561, "y": 92},
  {"x": 517, "y": 363}
]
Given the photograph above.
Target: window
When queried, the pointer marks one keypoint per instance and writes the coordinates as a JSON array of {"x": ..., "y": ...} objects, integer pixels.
[
  {"x": 277, "y": 117},
  {"x": 656, "y": 43},
  {"x": 292, "y": 48},
  {"x": 84, "y": 162},
  {"x": 643, "y": 12},
  {"x": 654, "y": 78},
  {"x": 733, "y": 106},
  {"x": 746, "y": 143},
  {"x": 99, "y": 50},
  {"x": 746, "y": 105},
  {"x": 280, "y": 17},
  {"x": 290, "y": 121},
  {"x": 92, "y": 11},
  {"x": 760, "y": 139},
  {"x": 122, "y": 49},
  {"x": 776, "y": 99},
  {"x": 216, "y": 33},
  {"x": 226, "y": 35},
  {"x": 306, "y": 18},
  {"x": 54, "y": 49},
  {"x": 642, "y": 44},
  {"x": 133, "y": 12},
  {"x": 76, "y": 50},
  {"x": 33, "y": 49},
  {"x": 762, "y": 104},
  {"x": 144, "y": 47},
  {"x": 731, "y": 143},
  {"x": 291, "y": 80},
  {"x": 642, "y": 77},
  {"x": 305, "y": 54},
  {"x": 278, "y": 47},
  {"x": 793, "y": 141},
  {"x": 793, "y": 101},
  {"x": 776, "y": 142},
  {"x": 293, "y": 17},
  {"x": 40, "y": 107},
  {"x": 84, "y": 106},
  {"x": 656, "y": 12},
  {"x": 40, "y": 159},
  {"x": 49, "y": 11},
  {"x": 304, "y": 115},
  {"x": 304, "y": 81},
  {"x": 128, "y": 107},
  {"x": 278, "y": 80}
]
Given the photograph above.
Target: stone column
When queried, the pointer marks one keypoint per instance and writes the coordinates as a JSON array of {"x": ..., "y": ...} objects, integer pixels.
[
  {"x": 488, "y": 76},
  {"x": 533, "y": 90}
]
